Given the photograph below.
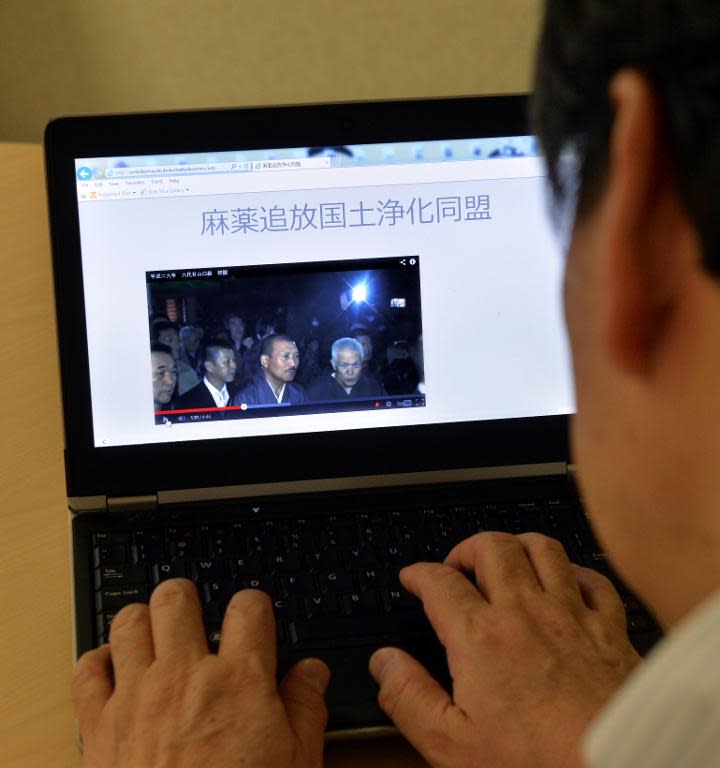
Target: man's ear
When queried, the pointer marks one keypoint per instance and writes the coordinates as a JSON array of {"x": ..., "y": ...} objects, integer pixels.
[
  {"x": 648, "y": 234},
  {"x": 208, "y": 366},
  {"x": 264, "y": 360}
]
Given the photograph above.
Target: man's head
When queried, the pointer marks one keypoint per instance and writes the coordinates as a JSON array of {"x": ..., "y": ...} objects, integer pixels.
[
  {"x": 633, "y": 89},
  {"x": 264, "y": 327},
  {"x": 190, "y": 337},
  {"x": 346, "y": 357},
  {"x": 235, "y": 326},
  {"x": 166, "y": 332},
  {"x": 367, "y": 346},
  {"x": 219, "y": 363},
  {"x": 279, "y": 358},
  {"x": 164, "y": 374}
]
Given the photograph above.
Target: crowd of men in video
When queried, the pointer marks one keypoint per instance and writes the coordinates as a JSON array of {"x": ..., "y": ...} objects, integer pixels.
[{"x": 192, "y": 369}]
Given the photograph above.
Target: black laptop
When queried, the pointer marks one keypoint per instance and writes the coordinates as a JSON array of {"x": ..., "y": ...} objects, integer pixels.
[{"x": 302, "y": 347}]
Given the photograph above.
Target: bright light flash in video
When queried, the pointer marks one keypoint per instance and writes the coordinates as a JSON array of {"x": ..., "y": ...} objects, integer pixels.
[{"x": 359, "y": 293}]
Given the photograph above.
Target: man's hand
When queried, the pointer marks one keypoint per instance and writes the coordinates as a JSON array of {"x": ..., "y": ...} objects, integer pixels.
[
  {"x": 154, "y": 697},
  {"x": 535, "y": 651}
]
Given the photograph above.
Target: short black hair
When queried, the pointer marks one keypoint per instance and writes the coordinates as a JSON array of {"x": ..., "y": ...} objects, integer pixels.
[
  {"x": 230, "y": 315},
  {"x": 164, "y": 325},
  {"x": 583, "y": 44},
  {"x": 156, "y": 346},
  {"x": 266, "y": 347},
  {"x": 213, "y": 346}
]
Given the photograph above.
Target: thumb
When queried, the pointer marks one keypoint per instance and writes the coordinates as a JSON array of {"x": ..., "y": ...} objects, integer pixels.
[
  {"x": 418, "y": 705},
  {"x": 303, "y": 694}
]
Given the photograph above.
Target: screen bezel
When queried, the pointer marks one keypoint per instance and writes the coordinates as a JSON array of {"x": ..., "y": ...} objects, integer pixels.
[{"x": 142, "y": 469}]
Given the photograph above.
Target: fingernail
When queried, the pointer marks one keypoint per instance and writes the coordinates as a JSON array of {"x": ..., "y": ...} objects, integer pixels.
[
  {"x": 316, "y": 674},
  {"x": 380, "y": 662}
]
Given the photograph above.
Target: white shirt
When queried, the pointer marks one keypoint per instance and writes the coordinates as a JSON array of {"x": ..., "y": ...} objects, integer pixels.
[
  {"x": 220, "y": 396},
  {"x": 667, "y": 714}
]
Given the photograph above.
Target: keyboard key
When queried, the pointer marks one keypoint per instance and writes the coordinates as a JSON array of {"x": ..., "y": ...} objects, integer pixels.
[
  {"x": 207, "y": 570},
  {"x": 263, "y": 583},
  {"x": 298, "y": 584},
  {"x": 104, "y": 620},
  {"x": 373, "y": 577},
  {"x": 323, "y": 630},
  {"x": 245, "y": 567},
  {"x": 213, "y": 638},
  {"x": 148, "y": 545},
  {"x": 325, "y": 560},
  {"x": 164, "y": 571},
  {"x": 213, "y": 613},
  {"x": 361, "y": 602},
  {"x": 324, "y": 605},
  {"x": 111, "y": 599},
  {"x": 289, "y": 607},
  {"x": 220, "y": 591},
  {"x": 286, "y": 562},
  {"x": 399, "y": 599},
  {"x": 360, "y": 557},
  {"x": 110, "y": 555},
  {"x": 184, "y": 543},
  {"x": 109, "y": 575},
  {"x": 111, "y": 538},
  {"x": 335, "y": 581}
]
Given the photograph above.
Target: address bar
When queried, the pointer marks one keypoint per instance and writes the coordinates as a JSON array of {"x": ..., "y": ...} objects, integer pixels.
[
  {"x": 164, "y": 170},
  {"x": 240, "y": 166}
]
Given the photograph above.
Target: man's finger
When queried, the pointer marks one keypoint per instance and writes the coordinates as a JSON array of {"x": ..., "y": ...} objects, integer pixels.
[
  {"x": 92, "y": 686},
  {"x": 248, "y": 631},
  {"x": 131, "y": 644},
  {"x": 553, "y": 568},
  {"x": 417, "y": 704},
  {"x": 176, "y": 619},
  {"x": 303, "y": 694},
  {"x": 447, "y": 597},
  {"x": 600, "y": 595},
  {"x": 501, "y": 566}
]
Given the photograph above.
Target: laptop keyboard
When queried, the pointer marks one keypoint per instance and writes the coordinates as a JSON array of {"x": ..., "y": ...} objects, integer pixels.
[{"x": 332, "y": 578}]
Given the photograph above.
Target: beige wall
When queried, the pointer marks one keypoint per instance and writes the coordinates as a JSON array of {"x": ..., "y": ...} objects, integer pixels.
[{"x": 74, "y": 56}]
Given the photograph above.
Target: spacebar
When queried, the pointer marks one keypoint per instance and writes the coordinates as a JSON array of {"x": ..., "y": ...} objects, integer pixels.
[{"x": 359, "y": 628}]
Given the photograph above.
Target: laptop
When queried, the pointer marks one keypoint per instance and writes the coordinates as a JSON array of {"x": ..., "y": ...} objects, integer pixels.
[{"x": 300, "y": 348}]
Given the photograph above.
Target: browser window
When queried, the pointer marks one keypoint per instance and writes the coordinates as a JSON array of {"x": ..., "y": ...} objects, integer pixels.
[{"x": 432, "y": 263}]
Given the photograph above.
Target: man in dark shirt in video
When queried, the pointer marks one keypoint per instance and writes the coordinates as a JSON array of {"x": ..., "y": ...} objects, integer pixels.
[
  {"x": 347, "y": 379},
  {"x": 279, "y": 359},
  {"x": 220, "y": 367},
  {"x": 164, "y": 376}
]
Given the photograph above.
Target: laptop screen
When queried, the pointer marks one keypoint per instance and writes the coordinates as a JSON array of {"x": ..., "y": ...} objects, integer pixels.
[{"x": 316, "y": 289}]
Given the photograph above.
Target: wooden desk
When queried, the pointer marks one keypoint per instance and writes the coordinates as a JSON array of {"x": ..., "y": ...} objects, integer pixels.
[{"x": 36, "y": 722}]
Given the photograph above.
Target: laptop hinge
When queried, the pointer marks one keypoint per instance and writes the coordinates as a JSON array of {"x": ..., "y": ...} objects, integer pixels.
[{"x": 147, "y": 503}]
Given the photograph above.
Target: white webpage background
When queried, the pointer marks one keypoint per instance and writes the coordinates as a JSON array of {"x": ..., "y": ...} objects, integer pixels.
[{"x": 493, "y": 337}]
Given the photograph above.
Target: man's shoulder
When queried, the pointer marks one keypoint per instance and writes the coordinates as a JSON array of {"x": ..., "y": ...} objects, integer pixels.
[
  {"x": 252, "y": 391},
  {"x": 368, "y": 385},
  {"x": 324, "y": 384},
  {"x": 296, "y": 392},
  {"x": 675, "y": 691},
  {"x": 197, "y": 397}
]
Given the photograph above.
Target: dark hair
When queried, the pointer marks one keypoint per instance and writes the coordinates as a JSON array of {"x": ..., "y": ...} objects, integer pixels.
[
  {"x": 266, "y": 347},
  {"x": 163, "y": 325},
  {"x": 156, "y": 346},
  {"x": 583, "y": 44},
  {"x": 213, "y": 346}
]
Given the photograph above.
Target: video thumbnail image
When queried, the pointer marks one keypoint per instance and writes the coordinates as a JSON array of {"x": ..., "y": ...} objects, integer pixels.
[{"x": 284, "y": 339}]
